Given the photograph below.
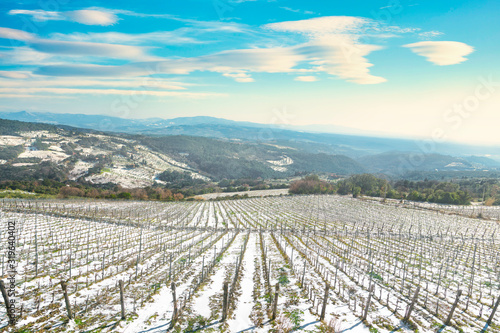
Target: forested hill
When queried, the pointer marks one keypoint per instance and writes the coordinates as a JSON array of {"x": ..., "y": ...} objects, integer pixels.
[
  {"x": 232, "y": 160},
  {"x": 67, "y": 153}
]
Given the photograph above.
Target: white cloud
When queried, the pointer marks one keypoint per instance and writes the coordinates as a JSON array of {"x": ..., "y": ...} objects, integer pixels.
[
  {"x": 239, "y": 77},
  {"x": 72, "y": 48},
  {"x": 336, "y": 54},
  {"x": 40, "y": 82},
  {"x": 91, "y": 70},
  {"x": 84, "y": 16},
  {"x": 442, "y": 52},
  {"x": 15, "y": 34},
  {"x": 63, "y": 91},
  {"x": 161, "y": 37},
  {"x": 91, "y": 17},
  {"x": 429, "y": 34},
  {"x": 334, "y": 46},
  {"x": 87, "y": 49},
  {"x": 17, "y": 96},
  {"x": 38, "y": 15},
  {"x": 23, "y": 56},
  {"x": 321, "y": 25},
  {"x": 306, "y": 78},
  {"x": 342, "y": 58},
  {"x": 235, "y": 64},
  {"x": 269, "y": 60},
  {"x": 13, "y": 75},
  {"x": 330, "y": 44},
  {"x": 307, "y": 12}
]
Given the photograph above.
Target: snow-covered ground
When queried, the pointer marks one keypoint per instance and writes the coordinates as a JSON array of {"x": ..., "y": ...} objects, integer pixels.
[
  {"x": 280, "y": 165},
  {"x": 139, "y": 167},
  {"x": 300, "y": 243},
  {"x": 80, "y": 169},
  {"x": 9, "y": 140},
  {"x": 259, "y": 193},
  {"x": 44, "y": 155}
]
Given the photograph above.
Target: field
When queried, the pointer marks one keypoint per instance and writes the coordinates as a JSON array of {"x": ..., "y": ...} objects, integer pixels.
[
  {"x": 257, "y": 193},
  {"x": 367, "y": 263}
]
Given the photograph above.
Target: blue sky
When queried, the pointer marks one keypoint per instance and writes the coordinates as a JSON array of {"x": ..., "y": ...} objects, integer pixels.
[{"x": 396, "y": 68}]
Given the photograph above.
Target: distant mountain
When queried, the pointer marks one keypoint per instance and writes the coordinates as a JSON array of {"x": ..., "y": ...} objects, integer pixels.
[
  {"x": 30, "y": 151},
  {"x": 399, "y": 163},
  {"x": 482, "y": 161},
  {"x": 303, "y": 138},
  {"x": 116, "y": 124}
]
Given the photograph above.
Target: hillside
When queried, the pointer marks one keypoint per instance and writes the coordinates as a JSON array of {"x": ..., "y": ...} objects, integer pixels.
[
  {"x": 400, "y": 163},
  {"x": 314, "y": 138},
  {"x": 31, "y": 151}
]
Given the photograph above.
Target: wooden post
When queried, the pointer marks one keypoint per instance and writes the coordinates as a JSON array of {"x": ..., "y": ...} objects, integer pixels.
[
  {"x": 303, "y": 275},
  {"x": 170, "y": 270},
  {"x": 447, "y": 322},
  {"x": 412, "y": 305},
  {"x": 275, "y": 305},
  {"x": 122, "y": 303},
  {"x": 490, "y": 319},
  {"x": 12, "y": 319},
  {"x": 174, "y": 316},
  {"x": 325, "y": 301},
  {"x": 66, "y": 299},
  {"x": 365, "y": 314},
  {"x": 224, "y": 302}
]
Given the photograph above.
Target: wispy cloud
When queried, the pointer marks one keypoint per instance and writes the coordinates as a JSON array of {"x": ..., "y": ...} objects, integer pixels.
[
  {"x": 24, "y": 55},
  {"x": 15, "y": 34},
  {"x": 442, "y": 53},
  {"x": 298, "y": 11},
  {"x": 84, "y": 16},
  {"x": 333, "y": 46},
  {"x": 236, "y": 64},
  {"x": 42, "y": 82},
  {"x": 63, "y": 91},
  {"x": 87, "y": 49},
  {"x": 239, "y": 77},
  {"x": 429, "y": 34},
  {"x": 74, "y": 48},
  {"x": 92, "y": 17},
  {"x": 321, "y": 25},
  {"x": 177, "y": 37},
  {"x": 306, "y": 78},
  {"x": 13, "y": 75}
]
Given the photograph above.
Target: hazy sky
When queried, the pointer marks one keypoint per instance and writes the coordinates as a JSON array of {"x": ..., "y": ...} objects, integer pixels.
[{"x": 407, "y": 68}]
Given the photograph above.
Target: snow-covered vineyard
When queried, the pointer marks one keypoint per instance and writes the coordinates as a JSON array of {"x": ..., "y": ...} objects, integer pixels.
[{"x": 372, "y": 267}]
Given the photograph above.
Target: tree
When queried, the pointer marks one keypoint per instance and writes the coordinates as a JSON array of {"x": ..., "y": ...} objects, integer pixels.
[
  {"x": 69, "y": 191},
  {"x": 356, "y": 190}
]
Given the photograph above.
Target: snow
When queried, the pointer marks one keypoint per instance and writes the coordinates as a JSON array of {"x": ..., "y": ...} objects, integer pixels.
[
  {"x": 45, "y": 155},
  {"x": 285, "y": 160},
  {"x": 56, "y": 148},
  {"x": 258, "y": 193},
  {"x": 280, "y": 164},
  {"x": 9, "y": 140},
  {"x": 80, "y": 169},
  {"x": 393, "y": 247},
  {"x": 241, "y": 320}
]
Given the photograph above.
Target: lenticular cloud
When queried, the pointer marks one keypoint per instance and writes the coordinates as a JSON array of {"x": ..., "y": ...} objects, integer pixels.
[{"x": 442, "y": 53}]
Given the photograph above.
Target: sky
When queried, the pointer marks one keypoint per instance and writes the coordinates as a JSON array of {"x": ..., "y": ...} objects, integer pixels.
[{"x": 398, "y": 68}]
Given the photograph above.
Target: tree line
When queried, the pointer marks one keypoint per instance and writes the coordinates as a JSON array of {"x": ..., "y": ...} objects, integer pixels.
[{"x": 370, "y": 185}]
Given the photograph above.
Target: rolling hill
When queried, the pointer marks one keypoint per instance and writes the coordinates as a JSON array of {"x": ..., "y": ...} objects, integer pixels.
[
  {"x": 68, "y": 153},
  {"x": 301, "y": 137}
]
